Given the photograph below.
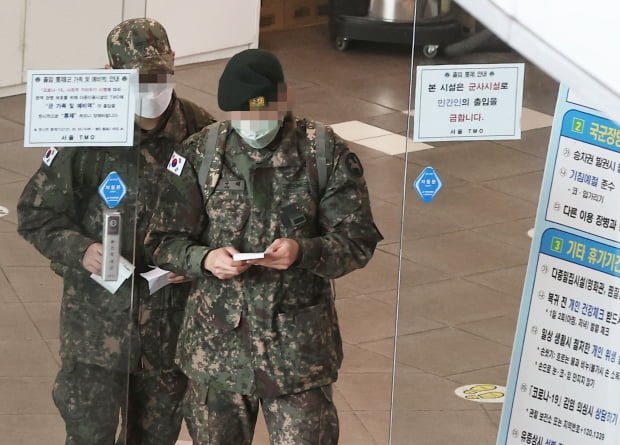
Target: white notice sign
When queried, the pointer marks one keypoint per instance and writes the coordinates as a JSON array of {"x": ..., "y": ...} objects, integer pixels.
[
  {"x": 71, "y": 107},
  {"x": 468, "y": 102},
  {"x": 564, "y": 381}
]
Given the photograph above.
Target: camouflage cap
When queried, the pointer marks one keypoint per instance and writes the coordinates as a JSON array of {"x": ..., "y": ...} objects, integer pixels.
[{"x": 140, "y": 43}]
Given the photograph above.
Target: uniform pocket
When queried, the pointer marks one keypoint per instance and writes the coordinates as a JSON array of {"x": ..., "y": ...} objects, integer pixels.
[
  {"x": 298, "y": 212},
  {"x": 222, "y": 312},
  {"x": 228, "y": 214},
  {"x": 308, "y": 343},
  {"x": 67, "y": 399}
]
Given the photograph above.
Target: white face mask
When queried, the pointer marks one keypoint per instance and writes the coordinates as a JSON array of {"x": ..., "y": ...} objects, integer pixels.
[
  {"x": 257, "y": 133},
  {"x": 154, "y": 98}
]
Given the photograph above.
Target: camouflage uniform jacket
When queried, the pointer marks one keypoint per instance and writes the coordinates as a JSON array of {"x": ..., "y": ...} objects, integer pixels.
[
  {"x": 60, "y": 213},
  {"x": 264, "y": 332}
]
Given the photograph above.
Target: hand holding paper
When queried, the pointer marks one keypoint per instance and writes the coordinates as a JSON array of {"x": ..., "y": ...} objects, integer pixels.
[
  {"x": 157, "y": 278},
  {"x": 280, "y": 255},
  {"x": 125, "y": 270}
]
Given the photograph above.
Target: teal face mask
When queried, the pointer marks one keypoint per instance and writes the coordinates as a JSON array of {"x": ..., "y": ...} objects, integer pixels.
[{"x": 256, "y": 133}]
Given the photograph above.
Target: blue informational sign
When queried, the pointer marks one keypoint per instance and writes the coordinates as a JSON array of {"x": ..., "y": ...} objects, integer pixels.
[
  {"x": 564, "y": 376},
  {"x": 427, "y": 184},
  {"x": 112, "y": 190}
]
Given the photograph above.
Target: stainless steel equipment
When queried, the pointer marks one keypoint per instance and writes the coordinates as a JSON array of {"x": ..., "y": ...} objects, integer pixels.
[
  {"x": 436, "y": 24},
  {"x": 392, "y": 10}
]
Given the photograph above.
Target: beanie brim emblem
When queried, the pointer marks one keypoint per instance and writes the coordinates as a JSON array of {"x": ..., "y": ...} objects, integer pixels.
[{"x": 257, "y": 103}]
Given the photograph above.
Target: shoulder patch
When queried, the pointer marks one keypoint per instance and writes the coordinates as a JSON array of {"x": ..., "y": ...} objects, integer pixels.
[
  {"x": 176, "y": 163},
  {"x": 353, "y": 165},
  {"x": 49, "y": 156}
]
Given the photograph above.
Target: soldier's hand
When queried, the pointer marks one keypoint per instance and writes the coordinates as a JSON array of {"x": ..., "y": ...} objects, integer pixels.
[
  {"x": 93, "y": 258},
  {"x": 176, "y": 279},
  {"x": 279, "y": 255},
  {"x": 221, "y": 264}
]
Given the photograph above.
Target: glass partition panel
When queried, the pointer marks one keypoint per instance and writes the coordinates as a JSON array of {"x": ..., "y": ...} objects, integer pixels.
[
  {"x": 81, "y": 328},
  {"x": 449, "y": 271},
  {"x": 465, "y": 238}
]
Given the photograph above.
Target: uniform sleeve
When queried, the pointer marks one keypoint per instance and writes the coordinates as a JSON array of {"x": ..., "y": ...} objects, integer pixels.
[
  {"x": 204, "y": 118},
  {"x": 48, "y": 212},
  {"x": 345, "y": 219},
  {"x": 199, "y": 118},
  {"x": 178, "y": 222}
]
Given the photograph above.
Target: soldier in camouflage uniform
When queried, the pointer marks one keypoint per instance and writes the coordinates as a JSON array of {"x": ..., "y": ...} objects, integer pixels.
[
  {"x": 261, "y": 331},
  {"x": 116, "y": 347}
]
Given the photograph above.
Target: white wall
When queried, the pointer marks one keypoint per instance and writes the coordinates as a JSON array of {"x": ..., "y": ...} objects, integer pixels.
[
  {"x": 199, "y": 27},
  {"x": 11, "y": 36},
  {"x": 70, "y": 34}
]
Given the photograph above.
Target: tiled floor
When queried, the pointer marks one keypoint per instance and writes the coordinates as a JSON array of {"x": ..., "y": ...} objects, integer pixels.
[{"x": 455, "y": 266}]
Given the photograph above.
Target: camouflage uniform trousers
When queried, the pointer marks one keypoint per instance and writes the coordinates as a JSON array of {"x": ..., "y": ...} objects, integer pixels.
[
  {"x": 90, "y": 399},
  {"x": 216, "y": 417}
]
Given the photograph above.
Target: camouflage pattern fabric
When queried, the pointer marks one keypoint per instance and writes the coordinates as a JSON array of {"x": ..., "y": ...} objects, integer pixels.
[
  {"x": 60, "y": 213},
  {"x": 90, "y": 411},
  {"x": 155, "y": 409},
  {"x": 89, "y": 399},
  {"x": 221, "y": 417},
  {"x": 266, "y": 332},
  {"x": 140, "y": 43}
]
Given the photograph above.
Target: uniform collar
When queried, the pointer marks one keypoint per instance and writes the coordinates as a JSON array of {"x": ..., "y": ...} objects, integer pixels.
[
  {"x": 281, "y": 152},
  {"x": 170, "y": 120}
]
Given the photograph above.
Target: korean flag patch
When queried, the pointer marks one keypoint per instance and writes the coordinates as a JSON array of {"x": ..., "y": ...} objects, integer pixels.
[
  {"x": 49, "y": 156},
  {"x": 176, "y": 163}
]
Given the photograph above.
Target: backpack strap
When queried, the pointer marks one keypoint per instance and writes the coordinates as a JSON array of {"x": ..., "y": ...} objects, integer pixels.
[
  {"x": 321, "y": 155},
  {"x": 323, "y": 158},
  {"x": 209, "y": 153}
]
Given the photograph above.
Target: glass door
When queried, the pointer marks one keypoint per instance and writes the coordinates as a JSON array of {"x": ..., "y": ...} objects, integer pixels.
[
  {"x": 468, "y": 213},
  {"x": 86, "y": 323}
]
